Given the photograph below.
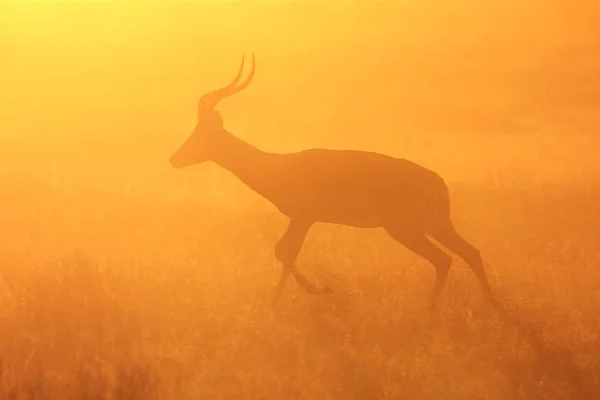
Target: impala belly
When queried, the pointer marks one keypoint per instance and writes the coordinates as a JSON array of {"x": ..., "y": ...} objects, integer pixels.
[{"x": 353, "y": 188}]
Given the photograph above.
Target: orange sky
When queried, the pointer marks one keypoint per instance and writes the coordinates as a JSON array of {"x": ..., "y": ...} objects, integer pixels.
[
  {"x": 124, "y": 77},
  {"x": 122, "y": 56}
]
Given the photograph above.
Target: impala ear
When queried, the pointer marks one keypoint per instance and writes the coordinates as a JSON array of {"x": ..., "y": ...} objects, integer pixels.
[{"x": 213, "y": 120}]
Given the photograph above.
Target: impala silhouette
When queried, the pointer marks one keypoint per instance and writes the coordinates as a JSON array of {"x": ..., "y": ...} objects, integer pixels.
[{"x": 347, "y": 187}]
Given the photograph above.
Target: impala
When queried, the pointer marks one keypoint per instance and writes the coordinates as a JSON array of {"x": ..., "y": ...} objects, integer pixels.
[{"x": 347, "y": 187}]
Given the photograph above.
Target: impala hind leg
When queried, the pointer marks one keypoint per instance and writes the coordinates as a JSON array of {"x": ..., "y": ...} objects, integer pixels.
[
  {"x": 447, "y": 235},
  {"x": 286, "y": 251},
  {"x": 420, "y": 244}
]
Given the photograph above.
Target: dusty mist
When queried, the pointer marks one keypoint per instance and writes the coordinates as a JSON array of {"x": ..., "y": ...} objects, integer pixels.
[{"x": 121, "y": 277}]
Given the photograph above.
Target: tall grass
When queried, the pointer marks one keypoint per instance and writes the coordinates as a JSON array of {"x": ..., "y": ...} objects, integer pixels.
[{"x": 115, "y": 299}]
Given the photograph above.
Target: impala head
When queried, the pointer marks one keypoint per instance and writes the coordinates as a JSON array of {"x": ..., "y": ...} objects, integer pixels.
[{"x": 204, "y": 140}]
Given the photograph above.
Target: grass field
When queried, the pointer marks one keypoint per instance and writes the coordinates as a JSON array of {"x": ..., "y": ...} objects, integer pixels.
[{"x": 136, "y": 298}]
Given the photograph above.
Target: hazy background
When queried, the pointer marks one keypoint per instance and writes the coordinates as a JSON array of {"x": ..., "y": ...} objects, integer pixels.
[
  {"x": 117, "y": 271},
  {"x": 106, "y": 90}
]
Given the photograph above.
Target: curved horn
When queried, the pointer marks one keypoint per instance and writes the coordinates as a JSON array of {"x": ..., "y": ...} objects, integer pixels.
[
  {"x": 218, "y": 94},
  {"x": 210, "y": 99},
  {"x": 247, "y": 81}
]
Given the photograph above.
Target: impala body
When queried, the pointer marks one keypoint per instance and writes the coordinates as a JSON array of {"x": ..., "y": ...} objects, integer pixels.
[{"x": 347, "y": 187}]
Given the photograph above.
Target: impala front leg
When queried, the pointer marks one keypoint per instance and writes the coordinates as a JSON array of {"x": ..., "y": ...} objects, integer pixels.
[{"x": 287, "y": 250}]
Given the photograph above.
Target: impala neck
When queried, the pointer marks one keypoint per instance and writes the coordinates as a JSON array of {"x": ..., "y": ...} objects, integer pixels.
[{"x": 245, "y": 161}]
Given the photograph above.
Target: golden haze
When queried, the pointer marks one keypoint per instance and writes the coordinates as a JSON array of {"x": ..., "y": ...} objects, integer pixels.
[{"x": 119, "y": 272}]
